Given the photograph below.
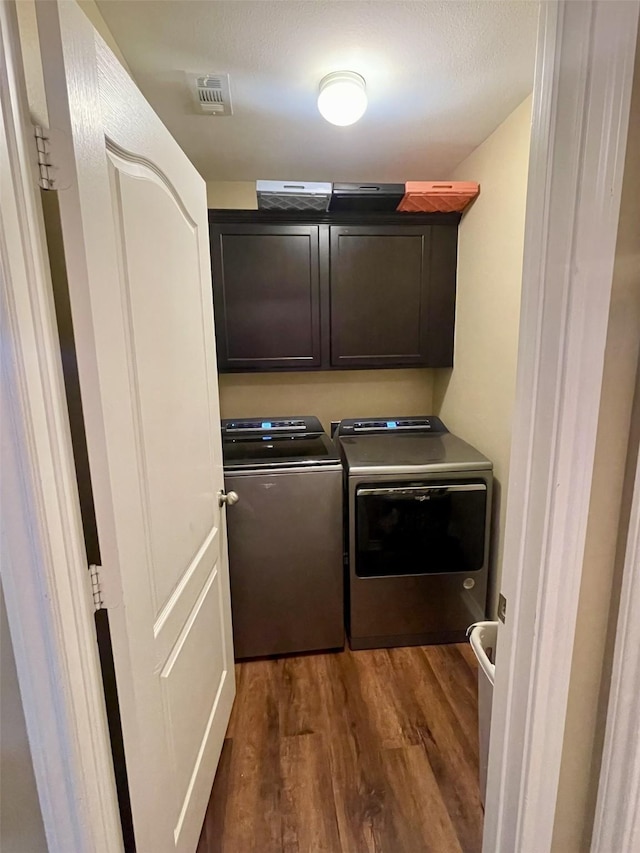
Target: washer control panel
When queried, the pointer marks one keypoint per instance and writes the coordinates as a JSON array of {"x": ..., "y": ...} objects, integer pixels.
[{"x": 270, "y": 426}]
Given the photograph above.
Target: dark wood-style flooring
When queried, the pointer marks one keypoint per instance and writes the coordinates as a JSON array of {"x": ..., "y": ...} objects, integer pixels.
[{"x": 355, "y": 752}]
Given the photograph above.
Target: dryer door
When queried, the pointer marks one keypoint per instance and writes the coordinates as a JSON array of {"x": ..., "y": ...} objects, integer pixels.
[{"x": 420, "y": 528}]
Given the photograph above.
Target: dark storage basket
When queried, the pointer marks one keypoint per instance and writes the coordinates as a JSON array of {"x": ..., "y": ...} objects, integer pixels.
[{"x": 380, "y": 198}]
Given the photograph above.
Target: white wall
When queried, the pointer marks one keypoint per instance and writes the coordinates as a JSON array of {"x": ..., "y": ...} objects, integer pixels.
[
  {"x": 331, "y": 395},
  {"x": 475, "y": 399},
  {"x": 234, "y": 195},
  {"x": 21, "y": 829}
]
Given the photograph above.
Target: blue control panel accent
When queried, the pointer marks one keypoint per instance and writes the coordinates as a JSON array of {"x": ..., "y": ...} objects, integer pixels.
[
  {"x": 267, "y": 438},
  {"x": 266, "y": 425},
  {"x": 392, "y": 424}
]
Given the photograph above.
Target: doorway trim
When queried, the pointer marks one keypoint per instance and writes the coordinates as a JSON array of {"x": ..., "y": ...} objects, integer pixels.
[
  {"x": 582, "y": 94},
  {"x": 617, "y": 819},
  {"x": 45, "y": 575},
  {"x": 581, "y": 105}
]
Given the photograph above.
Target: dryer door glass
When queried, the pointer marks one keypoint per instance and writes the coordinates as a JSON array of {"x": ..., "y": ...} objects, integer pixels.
[{"x": 420, "y": 528}]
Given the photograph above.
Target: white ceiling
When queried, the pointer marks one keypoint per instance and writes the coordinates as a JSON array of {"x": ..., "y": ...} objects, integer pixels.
[{"x": 441, "y": 76}]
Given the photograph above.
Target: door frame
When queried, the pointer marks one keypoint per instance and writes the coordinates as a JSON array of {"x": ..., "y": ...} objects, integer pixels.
[
  {"x": 580, "y": 114},
  {"x": 582, "y": 94},
  {"x": 617, "y": 817},
  {"x": 43, "y": 560}
]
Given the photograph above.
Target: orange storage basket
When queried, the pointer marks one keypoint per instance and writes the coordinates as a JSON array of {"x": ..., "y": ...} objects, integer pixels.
[{"x": 437, "y": 196}]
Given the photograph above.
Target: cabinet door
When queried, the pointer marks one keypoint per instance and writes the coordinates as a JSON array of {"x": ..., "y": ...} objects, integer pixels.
[
  {"x": 266, "y": 287},
  {"x": 392, "y": 295}
]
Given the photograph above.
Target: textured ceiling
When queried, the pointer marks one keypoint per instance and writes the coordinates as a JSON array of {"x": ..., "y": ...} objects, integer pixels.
[{"x": 441, "y": 76}]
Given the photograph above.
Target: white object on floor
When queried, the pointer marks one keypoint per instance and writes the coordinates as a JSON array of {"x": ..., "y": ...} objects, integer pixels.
[{"x": 483, "y": 637}]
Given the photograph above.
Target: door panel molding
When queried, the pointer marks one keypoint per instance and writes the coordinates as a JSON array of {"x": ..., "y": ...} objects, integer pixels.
[
  {"x": 139, "y": 167},
  {"x": 142, "y": 420},
  {"x": 173, "y": 608}
]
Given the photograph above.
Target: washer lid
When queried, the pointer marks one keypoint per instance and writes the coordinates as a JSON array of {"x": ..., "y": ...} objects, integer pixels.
[
  {"x": 410, "y": 453},
  {"x": 278, "y": 451}
]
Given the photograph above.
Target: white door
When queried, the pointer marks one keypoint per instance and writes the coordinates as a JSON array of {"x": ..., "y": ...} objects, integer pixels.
[{"x": 134, "y": 222}]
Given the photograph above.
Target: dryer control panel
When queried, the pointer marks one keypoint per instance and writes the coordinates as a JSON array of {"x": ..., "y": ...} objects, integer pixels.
[{"x": 390, "y": 425}]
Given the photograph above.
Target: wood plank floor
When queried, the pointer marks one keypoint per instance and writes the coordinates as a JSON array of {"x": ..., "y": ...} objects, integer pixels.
[{"x": 354, "y": 752}]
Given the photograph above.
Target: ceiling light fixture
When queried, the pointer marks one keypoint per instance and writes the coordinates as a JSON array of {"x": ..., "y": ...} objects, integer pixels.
[{"x": 343, "y": 97}]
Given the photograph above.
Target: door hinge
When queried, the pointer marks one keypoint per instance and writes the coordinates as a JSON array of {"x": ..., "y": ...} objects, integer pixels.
[
  {"x": 46, "y": 178},
  {"x": 96, "y": 590},
  {"x": 502, "y": 608}
]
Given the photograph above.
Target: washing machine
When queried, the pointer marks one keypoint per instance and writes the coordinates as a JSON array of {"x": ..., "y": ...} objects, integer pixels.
[
  {"x": 284, "y": 523},
  {"x": 417, "y": 529}
]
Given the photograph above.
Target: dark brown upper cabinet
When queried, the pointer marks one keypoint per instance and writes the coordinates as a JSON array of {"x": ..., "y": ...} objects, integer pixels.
[
  {"x": 333, "y": 291},
  {"x": 379, "y": 295},
  {"x": 266, "y": 296}
]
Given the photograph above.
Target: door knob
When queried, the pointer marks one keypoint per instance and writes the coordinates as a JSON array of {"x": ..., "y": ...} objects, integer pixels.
[{"x": 228, "y": 498}]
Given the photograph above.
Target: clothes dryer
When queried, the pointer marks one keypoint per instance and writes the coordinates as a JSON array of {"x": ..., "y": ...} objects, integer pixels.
[{"x": 417, "y": 522}]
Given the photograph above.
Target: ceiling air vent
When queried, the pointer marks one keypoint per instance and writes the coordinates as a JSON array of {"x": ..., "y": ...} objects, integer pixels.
[{"x": 212, "y": 93}]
